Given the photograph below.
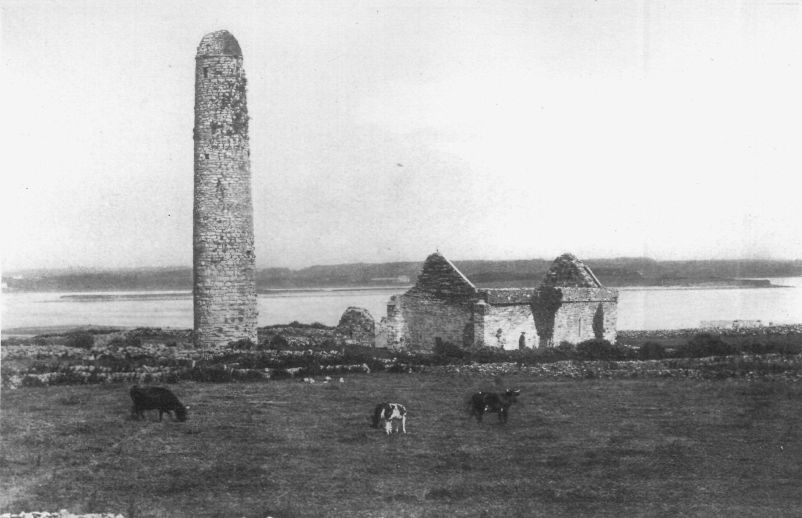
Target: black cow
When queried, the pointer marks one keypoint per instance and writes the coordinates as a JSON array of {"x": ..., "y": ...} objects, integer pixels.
[
  {"x": 156, "y": 398},
  {"x": 483, "y": 402}
]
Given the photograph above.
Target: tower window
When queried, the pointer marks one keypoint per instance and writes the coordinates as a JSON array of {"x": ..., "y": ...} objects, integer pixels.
[{"x": 205, "y": 72}]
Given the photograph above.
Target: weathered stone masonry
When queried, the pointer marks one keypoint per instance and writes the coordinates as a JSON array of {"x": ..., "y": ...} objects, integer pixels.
[
  {"x": 438, "y": 307},
  {"x": 224, "y": 288},
  {"x": 569, "y": 305}
]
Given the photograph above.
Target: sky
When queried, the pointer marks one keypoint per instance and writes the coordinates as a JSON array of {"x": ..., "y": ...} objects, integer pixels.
[{"x": 385, "y": 130}]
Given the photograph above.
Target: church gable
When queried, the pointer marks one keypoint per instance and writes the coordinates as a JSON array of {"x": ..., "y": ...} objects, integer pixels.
[
  {"x": 569, "y": 272},
  {"x": 442, "y": 279}
]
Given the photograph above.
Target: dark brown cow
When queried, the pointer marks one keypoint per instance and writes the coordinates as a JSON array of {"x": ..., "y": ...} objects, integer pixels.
[
  {"x": 484, "y": 402},
  {"x": 156, "y": 398}
]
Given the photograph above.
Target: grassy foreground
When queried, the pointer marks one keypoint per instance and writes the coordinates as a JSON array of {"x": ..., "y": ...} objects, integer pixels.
[{"x": 285, "y": 448}]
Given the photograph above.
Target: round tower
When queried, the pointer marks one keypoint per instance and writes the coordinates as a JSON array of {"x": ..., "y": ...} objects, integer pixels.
[{"x": 224, "y": 287}]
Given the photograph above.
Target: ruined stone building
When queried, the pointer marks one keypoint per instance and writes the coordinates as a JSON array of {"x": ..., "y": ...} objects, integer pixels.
[
  {"x": 569, "y": 305},
  {"x": 224, "y": 287}
]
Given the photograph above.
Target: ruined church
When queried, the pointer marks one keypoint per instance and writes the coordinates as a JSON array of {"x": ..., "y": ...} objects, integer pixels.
[{"x": 569, "y": 305}]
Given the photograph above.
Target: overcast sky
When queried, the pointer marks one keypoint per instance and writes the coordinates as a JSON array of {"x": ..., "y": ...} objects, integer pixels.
[{"x": 383, "y": 131}]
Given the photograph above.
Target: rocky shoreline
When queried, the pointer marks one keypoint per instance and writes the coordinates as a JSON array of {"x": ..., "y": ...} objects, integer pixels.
[{"x": 670, "y": 337}]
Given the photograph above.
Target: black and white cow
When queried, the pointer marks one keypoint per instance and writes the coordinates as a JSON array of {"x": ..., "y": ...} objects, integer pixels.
[
  {"x": 485, "y": 402},
  {"x": 156, "y": 398},
  {"x": 390, "y": 413}
]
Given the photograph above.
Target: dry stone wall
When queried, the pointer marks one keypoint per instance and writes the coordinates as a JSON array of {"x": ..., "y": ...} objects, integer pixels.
[
  {"x": 224, "y": 288},
  {"x": 61, "y": 514}
]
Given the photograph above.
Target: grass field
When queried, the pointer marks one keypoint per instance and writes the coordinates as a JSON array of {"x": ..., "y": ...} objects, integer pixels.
[{"x": 285, "y": 448}]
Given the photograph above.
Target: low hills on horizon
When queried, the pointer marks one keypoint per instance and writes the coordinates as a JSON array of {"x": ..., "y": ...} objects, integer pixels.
[{"x": 615, "y": 272}]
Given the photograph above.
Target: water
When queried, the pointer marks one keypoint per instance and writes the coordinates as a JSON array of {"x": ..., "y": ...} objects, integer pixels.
[
  {"x": 666, "y": 308},
  {"x": 174, "y": 309},
  {"x": 638, "y": 308}
]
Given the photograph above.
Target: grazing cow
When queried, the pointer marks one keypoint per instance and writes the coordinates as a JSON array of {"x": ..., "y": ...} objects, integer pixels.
[
  {"x": 156, "y": 398},
  {"x": 390, "y": 413},
  {"x": 484, "y": 402}
]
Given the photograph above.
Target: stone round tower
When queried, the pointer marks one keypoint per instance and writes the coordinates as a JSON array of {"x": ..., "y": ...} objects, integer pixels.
[{"x": 224, "y": 288}]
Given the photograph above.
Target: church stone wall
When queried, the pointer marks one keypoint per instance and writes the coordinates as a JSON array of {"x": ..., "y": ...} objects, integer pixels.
[
  {"x": 393, "y": 327},
  {"x": 585, "y": 314},
  {"x": 419, "y": 321},
  {"x": 503, "y": 326}
]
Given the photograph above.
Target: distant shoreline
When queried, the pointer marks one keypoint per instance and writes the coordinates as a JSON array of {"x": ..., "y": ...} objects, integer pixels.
[
  {"x": 703, "y": 287},
  {"x": 158, "y": 294},
  {"x": 151, "y": 293},
  {"x": 611, "y": 272}
]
